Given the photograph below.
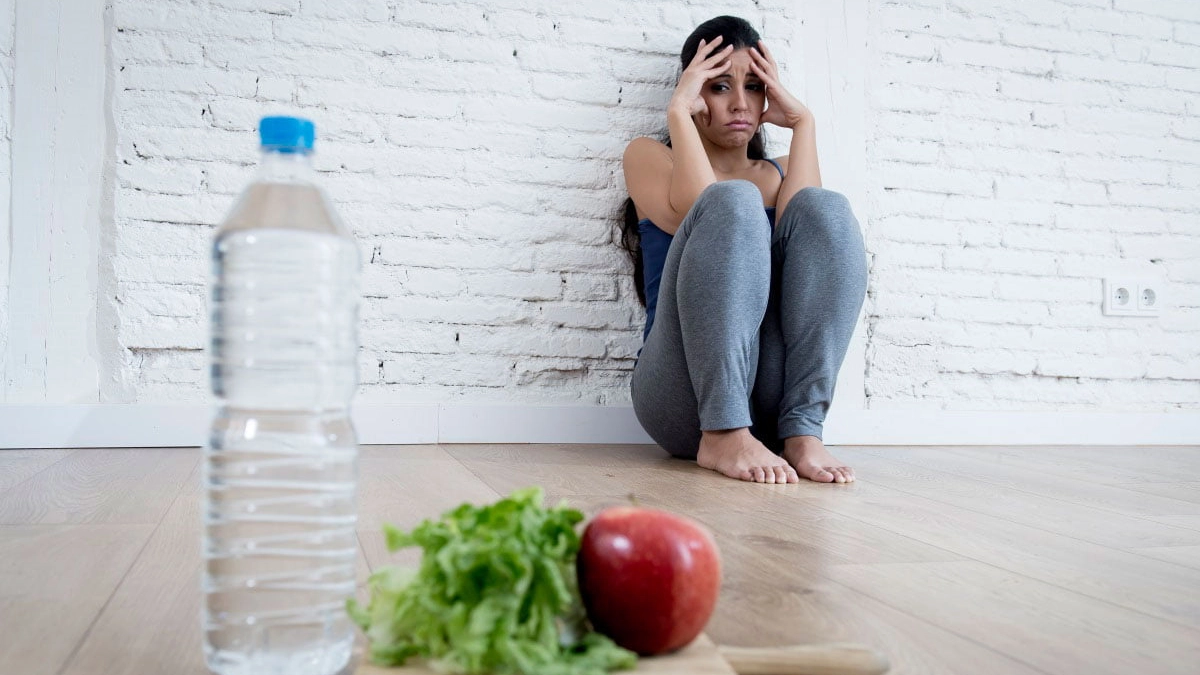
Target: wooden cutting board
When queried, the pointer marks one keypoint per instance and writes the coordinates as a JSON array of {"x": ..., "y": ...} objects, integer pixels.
[{"x": 699, "y": 658}]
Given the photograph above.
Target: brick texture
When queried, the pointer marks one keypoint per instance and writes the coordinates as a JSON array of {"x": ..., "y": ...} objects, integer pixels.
[
  {"x": 7, "y": 37},
  {"x": 1018, "y": 154},
  {"x": 473, "y": 146}
]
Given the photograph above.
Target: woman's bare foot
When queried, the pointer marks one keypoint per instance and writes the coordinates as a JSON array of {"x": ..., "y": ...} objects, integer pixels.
[
  {"x": 737, "y": 454},
  {"x": 811, "y": 460}
]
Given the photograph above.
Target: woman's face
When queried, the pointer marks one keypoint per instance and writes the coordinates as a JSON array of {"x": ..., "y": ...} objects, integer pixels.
[{"x": 735, "y": 103}]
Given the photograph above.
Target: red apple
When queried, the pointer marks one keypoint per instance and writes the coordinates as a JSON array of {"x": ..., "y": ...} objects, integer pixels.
[{"x": 649, "y": 579}]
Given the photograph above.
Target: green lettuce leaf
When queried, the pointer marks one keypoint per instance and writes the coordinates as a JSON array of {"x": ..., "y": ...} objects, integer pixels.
[{"x": 495, "y": 593}]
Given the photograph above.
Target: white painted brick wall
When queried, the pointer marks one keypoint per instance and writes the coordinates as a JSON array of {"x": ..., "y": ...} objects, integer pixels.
[
  {"x": 474, "y": 147},
  {"x": 1018, "y": 153},
  {"x": 7, "y": 37}
]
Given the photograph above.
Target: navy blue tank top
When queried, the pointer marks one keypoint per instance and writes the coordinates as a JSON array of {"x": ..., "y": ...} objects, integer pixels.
[{"x": 655, "y": 243}]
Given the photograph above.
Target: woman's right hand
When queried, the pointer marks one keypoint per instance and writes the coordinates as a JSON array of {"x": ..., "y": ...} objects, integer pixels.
[{"x": 707, "y": 64}]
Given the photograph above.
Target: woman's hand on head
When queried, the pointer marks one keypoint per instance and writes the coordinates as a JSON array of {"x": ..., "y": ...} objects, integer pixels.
[
  {"x": 783, "y": 109},
  {"x": 708, "y": 63}
]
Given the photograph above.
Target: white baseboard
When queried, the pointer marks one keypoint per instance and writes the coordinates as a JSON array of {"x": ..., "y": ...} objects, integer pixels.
[
  {"x": 540, "y": 424},
  {"x": 145, "y": 425}
]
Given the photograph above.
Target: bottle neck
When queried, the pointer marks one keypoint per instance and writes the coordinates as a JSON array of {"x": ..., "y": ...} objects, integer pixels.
[{"x": 285, "y": 167}]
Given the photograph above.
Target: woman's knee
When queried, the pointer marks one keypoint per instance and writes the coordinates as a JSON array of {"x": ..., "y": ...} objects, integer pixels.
[
  {"x": 817, "y": 210},
  {"x": 822, "y": 204},
  {"x": 816, "y": 216},
  {"x": 734, "y": 208},
  {"x": 737, "y": 191}
]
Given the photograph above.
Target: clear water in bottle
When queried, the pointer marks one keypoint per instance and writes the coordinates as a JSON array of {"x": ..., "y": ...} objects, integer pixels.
[{"x": 281, "y": 463}]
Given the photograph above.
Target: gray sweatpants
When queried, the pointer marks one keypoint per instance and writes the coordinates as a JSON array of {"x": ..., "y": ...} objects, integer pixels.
[{"x": 752, "y": 323}]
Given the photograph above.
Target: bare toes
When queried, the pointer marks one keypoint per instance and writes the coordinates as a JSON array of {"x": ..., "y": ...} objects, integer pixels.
[{"x": 823, "y": 475}]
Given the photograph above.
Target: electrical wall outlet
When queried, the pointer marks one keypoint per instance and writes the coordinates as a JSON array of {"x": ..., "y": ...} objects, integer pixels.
[
  {"x": 1147, "y": 299},
  {"x": 1119, "y": 297},
  {"x": 1131, "y": 296}
]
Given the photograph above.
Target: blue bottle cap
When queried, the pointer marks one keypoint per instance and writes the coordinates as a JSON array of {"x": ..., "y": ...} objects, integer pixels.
[{"x": 286, "y": 134}]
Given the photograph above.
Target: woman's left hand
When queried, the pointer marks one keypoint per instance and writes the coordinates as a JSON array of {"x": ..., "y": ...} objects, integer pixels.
[{"x": 783, "y": 109}]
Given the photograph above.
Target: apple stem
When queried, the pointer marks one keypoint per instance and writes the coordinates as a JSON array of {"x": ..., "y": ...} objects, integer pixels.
[{"x": 633, "y": 500}]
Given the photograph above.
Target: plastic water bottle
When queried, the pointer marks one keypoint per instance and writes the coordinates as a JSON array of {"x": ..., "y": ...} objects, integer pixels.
[{"x": 281, "y": 463}]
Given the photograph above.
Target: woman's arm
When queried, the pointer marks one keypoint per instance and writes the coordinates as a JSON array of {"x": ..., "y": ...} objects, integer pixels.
[
  {"x": 802, "y": 168},
  {"x": 647, "y": 165},
  {"x": 691, "y": 171},
  {"x": 786, "y": 110},
  {"x": 665, "y": 182}
]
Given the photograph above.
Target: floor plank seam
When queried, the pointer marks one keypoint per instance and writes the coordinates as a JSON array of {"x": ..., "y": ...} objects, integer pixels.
[
  {"x": 1123, "y": 608},
  {"x": 363, "y": 550},
  {"x": 1043, "y": 496},
  {"x": 37, "y": 473},
  {"x": 124, "y": 576},
  {"x": 1014, "y": 522},
  {"x": 892, "y": 533},
  {"x": 939, "y": 627},
  {"x": 1032, "y": 578},
  {"x": 1138, "y": 553},
  {"x": 476, "y": 474}
]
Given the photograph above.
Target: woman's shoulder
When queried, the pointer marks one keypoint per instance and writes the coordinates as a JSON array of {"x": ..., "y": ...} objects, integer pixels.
[
  {"x": 782, "y": 161},
  {"x": 645, "y": 162},
  {"x": 644, "y": 147}
]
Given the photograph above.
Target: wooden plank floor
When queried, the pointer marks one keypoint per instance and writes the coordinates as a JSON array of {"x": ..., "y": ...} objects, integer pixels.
[{"x": 1053, "y": 560}]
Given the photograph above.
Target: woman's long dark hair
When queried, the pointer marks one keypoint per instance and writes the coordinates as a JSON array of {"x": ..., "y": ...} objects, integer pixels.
[{"x": 740, "y": 34}]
